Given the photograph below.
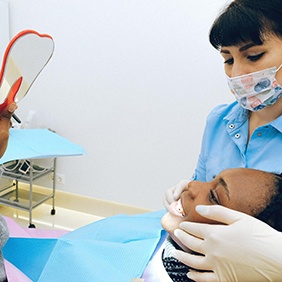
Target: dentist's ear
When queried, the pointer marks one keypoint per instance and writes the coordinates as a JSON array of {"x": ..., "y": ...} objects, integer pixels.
[{"x": 241, "y": 236}]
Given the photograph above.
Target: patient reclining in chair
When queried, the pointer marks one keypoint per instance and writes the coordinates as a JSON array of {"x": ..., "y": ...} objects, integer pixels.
[{"x": 254, "y": 192}]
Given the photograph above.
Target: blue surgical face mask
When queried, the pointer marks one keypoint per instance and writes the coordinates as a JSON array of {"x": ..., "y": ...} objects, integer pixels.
[{"x": 254, "y": 91}]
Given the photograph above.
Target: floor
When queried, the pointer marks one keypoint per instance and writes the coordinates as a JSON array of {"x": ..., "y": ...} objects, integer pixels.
[
  {"x": 72, "y": 211},
  {"x": 65, "y": 219}
]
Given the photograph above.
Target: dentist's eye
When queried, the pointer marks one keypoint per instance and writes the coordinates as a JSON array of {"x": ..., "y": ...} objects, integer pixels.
[
  {"x": 229, "y": 61},
  {"x": 213, "y": 198},
  {"x": 255, "y": 58}
]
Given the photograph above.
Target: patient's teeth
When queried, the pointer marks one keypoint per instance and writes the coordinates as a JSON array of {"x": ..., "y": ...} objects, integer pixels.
[
  {"x": 176, "y": 208},
  {"x": 180, "y": 208}
]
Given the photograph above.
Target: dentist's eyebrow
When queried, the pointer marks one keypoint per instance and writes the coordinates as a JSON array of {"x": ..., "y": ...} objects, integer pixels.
[
  {"x": 246, "y": 47},
  {"x": 241, "y": 49},
  {"x": 224, "y": 51}
]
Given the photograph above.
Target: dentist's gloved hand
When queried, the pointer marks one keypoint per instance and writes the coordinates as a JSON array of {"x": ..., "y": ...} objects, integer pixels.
[
  {"x": 246, "y": 249},
  {"x": 173, "y": 194}
]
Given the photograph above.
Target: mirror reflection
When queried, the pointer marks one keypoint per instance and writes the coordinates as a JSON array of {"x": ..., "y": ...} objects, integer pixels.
[{"x": 24, "y": 58}]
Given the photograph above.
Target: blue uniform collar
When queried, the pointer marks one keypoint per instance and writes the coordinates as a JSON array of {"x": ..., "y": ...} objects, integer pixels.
[
  {"x": 277, "y": 123},
  {"x": 239, "y": 115}
]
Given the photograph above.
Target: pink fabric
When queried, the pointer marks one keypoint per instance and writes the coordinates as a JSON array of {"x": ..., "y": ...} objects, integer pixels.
[
  {"x": 18, "y": 231},
  {"x": 43, "y": 233},
  {"x": 14, "y": 229},
  {"x": 13, "y": 273}
]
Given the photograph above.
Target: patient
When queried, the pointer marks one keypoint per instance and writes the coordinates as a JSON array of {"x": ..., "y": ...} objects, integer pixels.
[
  {"x": 254, "y": 192},
  {"x": 5, "y": 124}
]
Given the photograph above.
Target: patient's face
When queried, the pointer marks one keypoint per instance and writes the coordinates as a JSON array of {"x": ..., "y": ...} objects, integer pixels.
[{"x": 241, "y": 189}]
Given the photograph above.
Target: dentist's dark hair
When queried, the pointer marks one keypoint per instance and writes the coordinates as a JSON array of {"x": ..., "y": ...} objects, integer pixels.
[{"x": 247, "y": 21}]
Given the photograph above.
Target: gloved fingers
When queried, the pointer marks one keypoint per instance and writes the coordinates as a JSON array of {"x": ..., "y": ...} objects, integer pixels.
[
  {"x": 220, "y": 214},
  {"x": 202, "y": 276},
  {"x": 168, "y": 197},
  {"x": 191, "y": 242},
  {"x": 195, "y": 230},
  {"x": 173, "y": 194},
  {"x": 179, "y": 187},
  {"x": 191, "y": 260}
]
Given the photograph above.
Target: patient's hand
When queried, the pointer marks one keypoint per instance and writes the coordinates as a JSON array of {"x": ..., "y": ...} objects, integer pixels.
[
  {"x": 5, "y": 124},
  {"x": 173, "y": 194}
]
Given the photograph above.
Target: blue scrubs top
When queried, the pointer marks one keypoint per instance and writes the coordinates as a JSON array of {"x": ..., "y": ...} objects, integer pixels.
[{"x": 225, "y": 143}]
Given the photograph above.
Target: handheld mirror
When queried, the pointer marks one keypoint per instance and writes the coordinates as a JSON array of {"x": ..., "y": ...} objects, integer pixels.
[{"x": 25, "y": 57}]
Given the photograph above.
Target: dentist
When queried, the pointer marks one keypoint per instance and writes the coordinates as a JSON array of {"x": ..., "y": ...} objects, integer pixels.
[{"x": 245, "y": 133}]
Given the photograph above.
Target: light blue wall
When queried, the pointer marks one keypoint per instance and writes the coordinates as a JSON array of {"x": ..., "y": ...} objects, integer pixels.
[{"x": 132, "y": 82}]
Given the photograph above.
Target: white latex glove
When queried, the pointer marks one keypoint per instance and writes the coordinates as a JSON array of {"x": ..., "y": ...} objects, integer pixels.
[
  {"x": 245, "y": 250},
  {"x": 173, "y": 194}
]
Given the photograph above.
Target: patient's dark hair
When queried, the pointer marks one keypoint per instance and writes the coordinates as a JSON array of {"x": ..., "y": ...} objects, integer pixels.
[
  {"x": 272, "y": 214},
  {"x": 246, "y": 21}
]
